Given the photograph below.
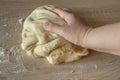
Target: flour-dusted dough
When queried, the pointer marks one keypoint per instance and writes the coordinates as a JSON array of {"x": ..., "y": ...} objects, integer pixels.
[{"x": 38, "y": 42}]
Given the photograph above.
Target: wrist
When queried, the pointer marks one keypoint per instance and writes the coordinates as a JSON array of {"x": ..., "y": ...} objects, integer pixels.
[{"x": 84, "y": 37}]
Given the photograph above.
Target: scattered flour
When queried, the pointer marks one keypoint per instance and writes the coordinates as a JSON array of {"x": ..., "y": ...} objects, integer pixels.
[
  {"x": 4, "y": 57},
  {"x": 21, "y": 20},
  {"x": 11, "y": 61},
  {"x": 96, "y": 66},
  {"x": 5, "y": 25},
  {"x": 6, "y": 33},
  {"x": 72, "y": 71}
]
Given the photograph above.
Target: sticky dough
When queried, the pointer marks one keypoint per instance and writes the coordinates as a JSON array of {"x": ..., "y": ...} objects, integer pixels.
[{"x": 40, "y": 43}]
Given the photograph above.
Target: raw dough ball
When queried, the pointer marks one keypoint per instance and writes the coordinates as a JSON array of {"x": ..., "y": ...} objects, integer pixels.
[{"x": 38, "y": 42}]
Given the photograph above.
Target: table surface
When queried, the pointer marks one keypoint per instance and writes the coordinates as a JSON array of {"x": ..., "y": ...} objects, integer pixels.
[{"x": 15, "y": 64}]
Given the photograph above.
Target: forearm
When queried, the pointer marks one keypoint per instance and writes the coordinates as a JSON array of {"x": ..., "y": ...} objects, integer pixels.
[{"x": 105, "y": 39}]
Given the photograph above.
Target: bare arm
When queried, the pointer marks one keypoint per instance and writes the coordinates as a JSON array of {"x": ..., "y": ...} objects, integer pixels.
[{"x": 105, "y": 39}]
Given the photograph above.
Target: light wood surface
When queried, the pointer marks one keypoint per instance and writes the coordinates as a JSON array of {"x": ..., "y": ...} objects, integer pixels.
[{"x": 18, "y": 66}]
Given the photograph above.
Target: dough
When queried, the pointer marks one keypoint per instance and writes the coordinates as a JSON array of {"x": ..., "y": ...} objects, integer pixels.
[{"x": 40, "y": 43}]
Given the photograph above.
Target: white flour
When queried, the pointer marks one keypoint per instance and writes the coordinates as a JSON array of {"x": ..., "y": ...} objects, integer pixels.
[{"x": 11, "y": 61}]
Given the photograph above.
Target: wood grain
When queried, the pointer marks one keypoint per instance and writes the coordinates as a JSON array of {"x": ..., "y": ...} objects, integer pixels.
[{"x": 96, "y": 66}]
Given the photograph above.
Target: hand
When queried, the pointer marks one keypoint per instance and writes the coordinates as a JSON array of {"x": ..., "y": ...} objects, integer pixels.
[{"x": 74, "y": 31}]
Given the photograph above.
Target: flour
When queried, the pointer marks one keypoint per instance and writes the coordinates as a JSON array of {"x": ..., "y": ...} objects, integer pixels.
[
  {"x": 5, "y": 25},
  {"x": 21, "y": 20},
  {"x": 7, "y": 34},
  {"x": 11, "y": 60},
  {"x": 4, "y": 57},
  {"x": 96, "y": 66},
  {"x": 72, "y": 71}
]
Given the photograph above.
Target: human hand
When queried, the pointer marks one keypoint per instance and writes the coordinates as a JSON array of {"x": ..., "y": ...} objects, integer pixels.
[{"x": 74, "y": 31}]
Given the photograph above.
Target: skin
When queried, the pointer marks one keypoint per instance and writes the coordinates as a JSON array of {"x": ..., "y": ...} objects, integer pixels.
[{"x": 104, "y": 38}]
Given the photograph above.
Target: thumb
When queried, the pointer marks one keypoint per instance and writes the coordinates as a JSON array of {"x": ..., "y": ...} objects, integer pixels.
[{"x": 49, "y": 26}]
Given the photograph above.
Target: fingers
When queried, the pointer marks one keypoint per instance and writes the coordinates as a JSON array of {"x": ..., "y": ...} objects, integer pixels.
[
  {"x": 65, "y": 14},
  {"x": 60, "y": 12},
  {"x": 65, "y": 9},
  {"x": 53, "y": 28}
]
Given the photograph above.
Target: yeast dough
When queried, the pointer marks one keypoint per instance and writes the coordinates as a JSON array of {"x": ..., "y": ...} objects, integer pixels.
[{"x": 40, "y": 43}]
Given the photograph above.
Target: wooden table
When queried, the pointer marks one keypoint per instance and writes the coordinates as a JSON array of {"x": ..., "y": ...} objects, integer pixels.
[{"x": 17, "y": 65}]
